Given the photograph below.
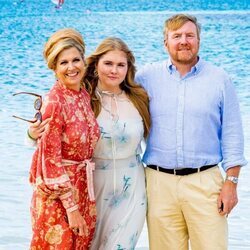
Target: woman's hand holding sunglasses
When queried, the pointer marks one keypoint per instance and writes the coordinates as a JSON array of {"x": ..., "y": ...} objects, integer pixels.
[
  {"x": 37, "y": 129},
  {"x": 37, "y": 125}
]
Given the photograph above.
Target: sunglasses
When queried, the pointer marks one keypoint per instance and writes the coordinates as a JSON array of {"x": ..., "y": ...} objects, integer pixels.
[{"x": 37, "y": 105}]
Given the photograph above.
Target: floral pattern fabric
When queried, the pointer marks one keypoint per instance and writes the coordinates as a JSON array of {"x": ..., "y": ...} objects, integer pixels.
[
  {"x": 59, "y": 187},
  {"x": 119, "y": 179}
]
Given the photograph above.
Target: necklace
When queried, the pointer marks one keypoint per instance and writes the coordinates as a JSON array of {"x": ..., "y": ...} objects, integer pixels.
[
  {"x": 112, "y": 110},
  {"x": 109, "y": 93}
]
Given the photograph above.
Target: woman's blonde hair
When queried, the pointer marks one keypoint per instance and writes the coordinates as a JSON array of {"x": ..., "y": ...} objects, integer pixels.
[
  {"x": 135, "y": 93},
  {"x": 59, "y": 41}
]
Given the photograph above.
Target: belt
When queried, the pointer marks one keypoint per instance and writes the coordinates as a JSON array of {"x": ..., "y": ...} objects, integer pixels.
[
  {"x": 183, "y": 171},
  {"x": 90, "y": 167}
]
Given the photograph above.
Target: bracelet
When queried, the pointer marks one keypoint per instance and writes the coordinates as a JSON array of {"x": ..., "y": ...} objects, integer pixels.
[{"x": 28, "y": 133}]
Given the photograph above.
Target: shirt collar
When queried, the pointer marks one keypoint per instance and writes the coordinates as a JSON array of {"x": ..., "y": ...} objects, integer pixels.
[{"x": 194, "y": 70}]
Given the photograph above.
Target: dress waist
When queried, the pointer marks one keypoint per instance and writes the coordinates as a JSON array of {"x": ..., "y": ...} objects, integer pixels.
[
  {"x": 108, "y": 164},
  {"x": 90, "y": 167}
]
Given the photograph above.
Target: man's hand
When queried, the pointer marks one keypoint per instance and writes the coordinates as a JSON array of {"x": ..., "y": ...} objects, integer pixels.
[{"x": 228, "y": 197}]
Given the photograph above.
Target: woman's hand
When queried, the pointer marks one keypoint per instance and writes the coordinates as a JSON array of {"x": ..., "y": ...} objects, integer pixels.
[
  {"x": 77, "y": 223},
  {"x": 37, "y": 128}
]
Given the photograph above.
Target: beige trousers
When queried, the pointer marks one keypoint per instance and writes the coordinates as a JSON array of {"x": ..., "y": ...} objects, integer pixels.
[{"x": 183, "y": 209}]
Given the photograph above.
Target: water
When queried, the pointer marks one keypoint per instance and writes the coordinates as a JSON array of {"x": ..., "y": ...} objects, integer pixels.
[{"x": 25, "y": 26}]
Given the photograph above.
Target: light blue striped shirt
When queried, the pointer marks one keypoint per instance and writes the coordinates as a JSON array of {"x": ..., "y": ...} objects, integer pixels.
[{"x": 195, "y": 119}]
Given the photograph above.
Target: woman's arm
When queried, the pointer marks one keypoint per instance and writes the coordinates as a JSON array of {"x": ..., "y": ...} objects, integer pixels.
[
  {"x": 49, "y": 175},
  {"x": 47, "y": 171}
]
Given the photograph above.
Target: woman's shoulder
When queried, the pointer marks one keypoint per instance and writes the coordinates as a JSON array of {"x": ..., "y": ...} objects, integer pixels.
[{"x": 54, "y": 96}]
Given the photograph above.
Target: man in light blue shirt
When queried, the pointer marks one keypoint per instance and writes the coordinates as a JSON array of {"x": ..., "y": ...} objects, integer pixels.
[{"x": 196, "y": 124}]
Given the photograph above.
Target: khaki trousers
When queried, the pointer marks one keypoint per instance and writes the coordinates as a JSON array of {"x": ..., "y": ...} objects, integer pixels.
[{"x": 183, "y": 209}]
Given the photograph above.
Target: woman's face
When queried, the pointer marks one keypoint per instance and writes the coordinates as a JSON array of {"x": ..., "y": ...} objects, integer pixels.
[
  {"x": 112, "y": 69},
  {"x": 70, "y": 68}
]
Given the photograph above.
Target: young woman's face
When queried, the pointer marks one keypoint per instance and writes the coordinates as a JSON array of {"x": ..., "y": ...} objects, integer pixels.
[
  {"x": 70, "y": 68},
  {"x": 112, "y": 69}
]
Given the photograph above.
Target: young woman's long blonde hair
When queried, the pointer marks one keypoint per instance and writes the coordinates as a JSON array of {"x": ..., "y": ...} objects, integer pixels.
[{"x": 135, "y": 93}]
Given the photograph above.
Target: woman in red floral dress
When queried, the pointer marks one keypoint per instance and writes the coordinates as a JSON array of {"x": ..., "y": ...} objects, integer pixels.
[{"x": 63, "y": 207}]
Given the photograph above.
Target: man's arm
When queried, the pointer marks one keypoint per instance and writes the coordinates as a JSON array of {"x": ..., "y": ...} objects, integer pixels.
[
  {"x": 232, "y": 142},
  {"x": 228, "y": 197}
]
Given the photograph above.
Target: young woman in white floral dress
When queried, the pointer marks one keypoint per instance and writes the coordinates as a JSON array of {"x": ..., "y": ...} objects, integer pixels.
[{"x": 121, "y": 108}]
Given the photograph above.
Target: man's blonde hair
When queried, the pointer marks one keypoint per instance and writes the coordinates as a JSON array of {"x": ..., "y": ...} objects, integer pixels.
[{"x": 177, "y": 21}]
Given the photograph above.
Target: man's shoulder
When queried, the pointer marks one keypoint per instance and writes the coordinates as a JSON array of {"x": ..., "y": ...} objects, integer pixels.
[
  {"x": 155, "y": 65},
  {"x": 216, "y": 69},
  {"x": 152, "y": 68},
  {"x": 150, "y": 71}
]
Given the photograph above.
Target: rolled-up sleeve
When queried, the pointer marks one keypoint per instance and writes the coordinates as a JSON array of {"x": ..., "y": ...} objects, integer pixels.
[{"x": 232, "y": 139}]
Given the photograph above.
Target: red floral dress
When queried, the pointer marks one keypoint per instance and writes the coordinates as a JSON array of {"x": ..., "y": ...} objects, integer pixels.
[{"x": 60, "y": 169}]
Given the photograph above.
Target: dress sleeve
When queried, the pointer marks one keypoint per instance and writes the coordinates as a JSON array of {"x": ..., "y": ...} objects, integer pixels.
[
  {"x": 28, "y": 141},
  {"x": 47, "y": 172}
]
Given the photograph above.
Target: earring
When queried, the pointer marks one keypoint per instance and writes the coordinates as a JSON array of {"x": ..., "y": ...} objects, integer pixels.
[
  {"x": 124, "y": 84},
  {"x": 96, "y": 74}
]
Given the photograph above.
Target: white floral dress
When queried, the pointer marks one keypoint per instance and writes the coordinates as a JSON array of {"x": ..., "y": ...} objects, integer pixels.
[{"x": 119, "y": 179}]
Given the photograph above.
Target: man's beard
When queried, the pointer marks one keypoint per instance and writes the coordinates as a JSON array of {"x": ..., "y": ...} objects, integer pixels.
[
  {"x": 186, "y": 59},
  {"x": 184, "y": 55}
]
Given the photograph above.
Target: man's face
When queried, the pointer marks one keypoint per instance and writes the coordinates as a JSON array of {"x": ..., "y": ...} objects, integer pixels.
[{"x": 183, "y": 44}]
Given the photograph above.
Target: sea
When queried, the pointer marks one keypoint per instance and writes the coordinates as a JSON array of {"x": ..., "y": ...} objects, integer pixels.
[{"x": 25, "y": 25}]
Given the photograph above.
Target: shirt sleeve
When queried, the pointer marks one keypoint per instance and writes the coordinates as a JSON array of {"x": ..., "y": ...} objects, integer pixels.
[
  {"x": 232, "y": 139},
  {"x": 48, "y": 174},
  {"x": 139, "y": 77}
]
